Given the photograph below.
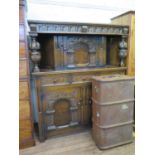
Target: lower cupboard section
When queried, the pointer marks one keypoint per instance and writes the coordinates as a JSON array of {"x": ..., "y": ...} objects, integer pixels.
[
  {"x": 64, "y": 100},
  {"x": 64, "y": 109}
]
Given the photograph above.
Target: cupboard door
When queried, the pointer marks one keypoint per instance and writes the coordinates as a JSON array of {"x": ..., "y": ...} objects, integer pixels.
[{"x": 62, "y": 106}]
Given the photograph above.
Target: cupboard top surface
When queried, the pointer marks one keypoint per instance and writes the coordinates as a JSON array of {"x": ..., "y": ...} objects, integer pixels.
[{"x": 75, "y": 23}]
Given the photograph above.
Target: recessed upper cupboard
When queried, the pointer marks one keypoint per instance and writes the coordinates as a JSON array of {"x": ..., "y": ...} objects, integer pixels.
[
  {"x": 66, "y": 46},
  {"x": 72, "y": 51}
]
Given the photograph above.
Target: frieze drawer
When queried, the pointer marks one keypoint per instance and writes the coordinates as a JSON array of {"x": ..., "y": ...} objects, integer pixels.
[
  {"x": 54, "y": 80},
  {"x": 81, "y": 78}
]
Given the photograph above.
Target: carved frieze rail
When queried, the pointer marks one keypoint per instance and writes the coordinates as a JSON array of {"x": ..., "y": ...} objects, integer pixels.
[{"x": 78, "y": 28}]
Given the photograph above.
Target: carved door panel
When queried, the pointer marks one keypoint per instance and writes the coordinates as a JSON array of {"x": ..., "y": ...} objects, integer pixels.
[
  {"x": 62, "y": 112},
  {"x": 85, "y": 51},
  {"x": 62, "y": 107},
  {"x": 81, "y": 54}
]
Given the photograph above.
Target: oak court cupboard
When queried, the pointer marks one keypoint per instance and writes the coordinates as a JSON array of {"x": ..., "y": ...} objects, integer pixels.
[
  {"x": 65, "y": 56},
  {"x": 60, "y": 59}
]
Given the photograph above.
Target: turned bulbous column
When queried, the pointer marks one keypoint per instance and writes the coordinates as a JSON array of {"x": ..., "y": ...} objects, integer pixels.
[
  {"x": 123, "y": 46},
  {"x": 35, "y": 53}
]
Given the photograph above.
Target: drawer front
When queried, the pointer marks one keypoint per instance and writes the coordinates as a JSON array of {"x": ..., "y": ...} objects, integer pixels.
[
  {"x": 23, "y": 90},
  {"x": 113, "y": 114},
  {"x": 23, "y": 68},
  {"x": 113, "y": 91},
  {"x": 25, "y": 134},
  {"x": 21, "y": 14},
  {"x": 54, "y": 80},
  {"x": 22, "y": 50},
  {"x": 25, "y": 124},
  {"x": 24, "y": 109},
  {"x": 81, "y": 77},
  {"x": 21, "y": 33}
]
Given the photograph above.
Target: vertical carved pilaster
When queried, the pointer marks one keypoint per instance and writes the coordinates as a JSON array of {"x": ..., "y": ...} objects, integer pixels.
[
  {"x": 51, "y": 112},
  {"x": 92, "y": 55},
  {"x": 35, "y": 53},
  {"x": 123, "y": 50},
  {"x": 74, "y": 113},
  {"x": 70, "y": 55}
]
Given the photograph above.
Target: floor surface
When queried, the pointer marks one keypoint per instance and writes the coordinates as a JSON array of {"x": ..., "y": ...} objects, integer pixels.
[{"x": 77, "y": 144}]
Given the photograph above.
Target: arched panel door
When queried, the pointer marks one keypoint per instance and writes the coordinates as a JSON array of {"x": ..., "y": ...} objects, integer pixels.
[
  {"x": 62, "y": 115},
  {"x": 81, "y": 54}
]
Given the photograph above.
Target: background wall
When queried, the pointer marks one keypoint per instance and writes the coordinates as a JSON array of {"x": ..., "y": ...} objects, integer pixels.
[{"x": 93, "y": 11}]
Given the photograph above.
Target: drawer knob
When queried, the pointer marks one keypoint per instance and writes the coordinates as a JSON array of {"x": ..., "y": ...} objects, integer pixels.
[{"x": 54, "y": 81}]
